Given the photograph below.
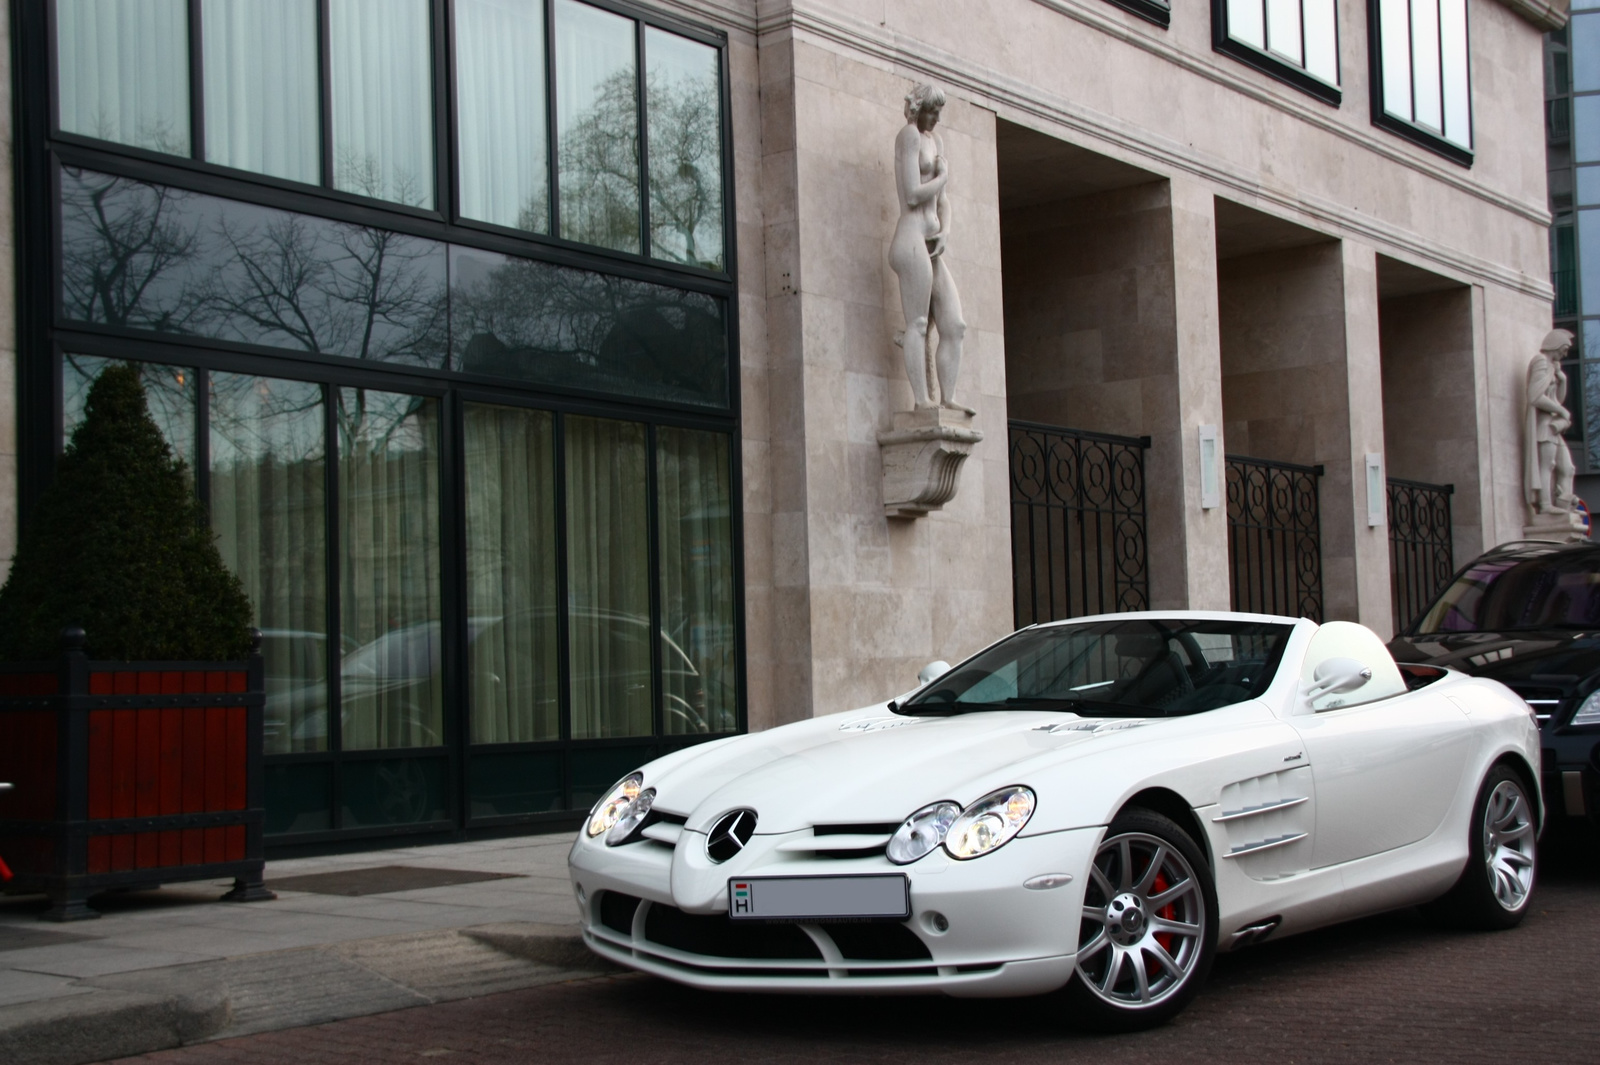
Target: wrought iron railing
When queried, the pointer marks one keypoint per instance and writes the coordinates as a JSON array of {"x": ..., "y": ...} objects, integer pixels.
[
  {"x": 1274, "y": 537},
  {"x": 1421, "y": 547},
  {"x": 1078, "y": 540}
]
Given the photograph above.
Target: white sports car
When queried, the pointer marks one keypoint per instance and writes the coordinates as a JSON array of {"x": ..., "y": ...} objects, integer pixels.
[{"x": 1096, "y": 805}]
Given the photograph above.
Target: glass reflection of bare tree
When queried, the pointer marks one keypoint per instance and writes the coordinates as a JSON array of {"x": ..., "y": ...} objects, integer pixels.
[
  {"x": 122, "y": 243},
  {"x": 685, "y": 171},
  {"x": 599, "y": 164},
  {"x": 333, "y": 288}
]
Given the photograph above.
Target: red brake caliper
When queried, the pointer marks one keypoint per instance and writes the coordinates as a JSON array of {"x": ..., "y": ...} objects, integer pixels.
[{"x": 1168, "y": 912}]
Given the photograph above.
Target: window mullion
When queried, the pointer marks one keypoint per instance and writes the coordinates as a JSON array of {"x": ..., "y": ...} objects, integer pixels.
[
  {"x": 325, "y": 78},
  {"x": 197, "y": 101},
  {"x": 646, "y": 244}
]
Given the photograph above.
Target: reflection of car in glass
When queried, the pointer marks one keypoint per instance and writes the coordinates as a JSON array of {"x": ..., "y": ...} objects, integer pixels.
[
  {"x": 1096, "y": 806},
  {"x": 400, "y": 671},
  {"x": 1528, "y": 615}
]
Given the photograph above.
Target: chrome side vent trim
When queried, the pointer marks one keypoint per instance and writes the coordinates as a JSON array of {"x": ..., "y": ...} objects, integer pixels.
[
  {"x": 1264, "y": 845},
  {"x": 1264, "y": 808}
]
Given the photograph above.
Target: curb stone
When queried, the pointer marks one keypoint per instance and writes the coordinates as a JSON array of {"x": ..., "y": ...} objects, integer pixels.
[{"x": 106, "y": 1023}]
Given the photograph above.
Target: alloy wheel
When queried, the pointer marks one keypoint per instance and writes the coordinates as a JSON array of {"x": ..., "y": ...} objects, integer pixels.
[
  {"x": 1508, "y": 843},
  {"x": 1144, "y": 922}
]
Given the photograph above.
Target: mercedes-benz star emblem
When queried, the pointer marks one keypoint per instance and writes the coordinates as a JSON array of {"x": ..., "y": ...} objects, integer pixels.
[{"x": 730, "y": 834}]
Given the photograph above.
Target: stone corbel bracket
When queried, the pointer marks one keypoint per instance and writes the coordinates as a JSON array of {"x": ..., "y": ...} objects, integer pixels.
[{"x": 922, "y": 457}]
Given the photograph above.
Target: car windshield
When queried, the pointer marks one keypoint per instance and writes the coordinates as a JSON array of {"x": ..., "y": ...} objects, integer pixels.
[
  {"x": 1559, "y": 590},
  {"x": 1136, "y": 668}
]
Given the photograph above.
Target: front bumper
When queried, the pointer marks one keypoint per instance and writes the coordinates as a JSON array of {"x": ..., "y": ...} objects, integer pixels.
[{"x": 996, "y": 938}]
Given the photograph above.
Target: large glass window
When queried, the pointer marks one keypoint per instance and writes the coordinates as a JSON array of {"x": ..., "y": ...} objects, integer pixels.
[
  {"x": 1297, "y": 40},
  {"x": 389, "y": 610},
  {"x": 478, "y": 605},
  {"x": 268, "y": 506},
  {"x": 149, "y": 257},
  {"x": 1424, "y": 90},
  {"x": 123, "y": 71},
  {"x": 382, "y": 90},
  {"x": 597, "y": 126},
  {"x": 698, "y": 648},
  {"x": 169, "y": 395},
  {"x": 685, "y": 148},
  {"x": 261, "y": 72},
  {"x": 500, "y": 113},
  {"x": 536, "y": 322},
  {"x": 341, "y": 93},
  {"x": 511, "y": 574},
  {"x": 608, "y": 578}
]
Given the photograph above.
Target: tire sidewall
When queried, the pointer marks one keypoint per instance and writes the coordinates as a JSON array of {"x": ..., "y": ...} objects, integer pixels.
[{"x": 1088, "y": 1010}]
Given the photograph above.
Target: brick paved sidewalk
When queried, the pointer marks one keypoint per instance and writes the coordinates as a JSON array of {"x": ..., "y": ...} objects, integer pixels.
[{"x": 1387, "y": 989}]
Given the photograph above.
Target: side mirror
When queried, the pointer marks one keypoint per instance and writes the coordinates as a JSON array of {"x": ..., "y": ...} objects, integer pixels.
[
  {"x": 1337, "y": 676},
  {"x": 933, "y": 671}
]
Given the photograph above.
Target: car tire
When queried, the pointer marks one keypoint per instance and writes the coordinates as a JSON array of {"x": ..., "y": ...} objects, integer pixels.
[
  {"x": 1502, "y": 858},
  {"x": 1148, "y": 927}
]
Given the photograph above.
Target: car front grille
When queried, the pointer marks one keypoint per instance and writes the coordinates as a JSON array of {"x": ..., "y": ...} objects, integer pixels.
[
  {"x": 1546, "y": 701},
  {"x": 714, "y": 944}
]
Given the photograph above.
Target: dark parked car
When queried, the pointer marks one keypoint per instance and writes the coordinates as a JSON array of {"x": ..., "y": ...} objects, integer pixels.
[{"x": 1527, "y": 614}]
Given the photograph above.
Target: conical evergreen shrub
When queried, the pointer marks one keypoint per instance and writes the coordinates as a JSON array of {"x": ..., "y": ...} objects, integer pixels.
[{"x": 119, "y": 546}]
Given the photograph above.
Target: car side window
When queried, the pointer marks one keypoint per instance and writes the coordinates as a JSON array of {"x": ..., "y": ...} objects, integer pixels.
[{"x": 1334, "y": 650}]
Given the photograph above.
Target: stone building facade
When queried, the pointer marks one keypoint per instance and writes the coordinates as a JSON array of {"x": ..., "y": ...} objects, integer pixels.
[
  {"x": 1155, "y": 236},
  {"x": 1265, "y": 225}
]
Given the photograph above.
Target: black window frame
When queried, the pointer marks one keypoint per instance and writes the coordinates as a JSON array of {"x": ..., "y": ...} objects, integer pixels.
[
  {"x": 1154, "y": 11},
  {"x": 1411, "y": 131},
  {"x": 45, "y": 336},
  {"x": 446, "y": 152},
  {"x": 1271, "y": 65}
]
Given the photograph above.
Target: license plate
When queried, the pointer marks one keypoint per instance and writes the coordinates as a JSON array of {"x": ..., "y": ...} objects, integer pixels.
[{"x": 819, "y": 898}]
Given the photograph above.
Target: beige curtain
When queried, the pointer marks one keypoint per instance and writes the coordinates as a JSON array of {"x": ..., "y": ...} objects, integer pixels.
[
  {"x": 382, "y": 86},
  {"x": 269, "y": 510},
  {"x": 697, "y": 607},
  {"x": 389, "y": 569},
  {"x": 608, "y": 560},
  {"x": 511, "y": 574}
]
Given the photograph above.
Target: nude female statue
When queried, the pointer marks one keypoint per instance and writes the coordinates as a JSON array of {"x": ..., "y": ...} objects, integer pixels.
[{"x": 927, "y": 291}]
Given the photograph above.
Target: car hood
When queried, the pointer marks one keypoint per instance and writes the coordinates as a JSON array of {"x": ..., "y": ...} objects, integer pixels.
[
  {"x": 871, "y": 766},
  {"x": 1543, "y": 658}
]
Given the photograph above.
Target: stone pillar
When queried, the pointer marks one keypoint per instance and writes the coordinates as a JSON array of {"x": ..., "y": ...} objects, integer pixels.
[
  {"x": 1345, "y": 496},
  {"x": 1189, "y": 568}
]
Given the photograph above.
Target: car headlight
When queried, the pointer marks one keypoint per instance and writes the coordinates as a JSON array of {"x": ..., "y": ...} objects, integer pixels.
[
  {"x": 1588, "y": 711},
  {"x": 922, "y": 832},
  {"x": 608, "y": 811},
  {"x": 990, "y": 822},
  {"x": 632, "y": 817}
]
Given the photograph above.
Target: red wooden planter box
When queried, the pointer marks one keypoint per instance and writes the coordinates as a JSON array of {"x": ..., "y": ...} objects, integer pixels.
[{"x": 129, "y": 775}]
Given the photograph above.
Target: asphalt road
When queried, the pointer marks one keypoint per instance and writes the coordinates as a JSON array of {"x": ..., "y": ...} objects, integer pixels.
[{"x": 1389, "y": 988}]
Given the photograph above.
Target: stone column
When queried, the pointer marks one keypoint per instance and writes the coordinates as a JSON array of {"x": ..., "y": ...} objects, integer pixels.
[
  {"x": 1189, "y": 550},
  {"x": 1363, "y": 595}
]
